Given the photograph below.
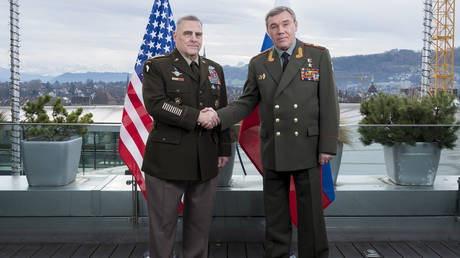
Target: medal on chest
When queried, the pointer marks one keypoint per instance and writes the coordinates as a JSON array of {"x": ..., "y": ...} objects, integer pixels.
[
  {"x": 213, "y": 76},
  {"x": 309, "y": 74}
]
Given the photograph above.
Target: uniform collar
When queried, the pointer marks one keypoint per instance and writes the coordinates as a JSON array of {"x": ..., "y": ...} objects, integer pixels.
[
  {"x": 289, "y": 50},
  {"x": 189, "y": 61}
]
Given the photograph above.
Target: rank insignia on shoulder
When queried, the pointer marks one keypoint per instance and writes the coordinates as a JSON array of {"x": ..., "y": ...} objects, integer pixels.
[
  {"x": 261, "y": 77},
  {"x": 309, "y": 74},
  {"x": 314, "y": 46},
  {"x": 213, "y": 76},
  {"x": 147, "y": 67}
]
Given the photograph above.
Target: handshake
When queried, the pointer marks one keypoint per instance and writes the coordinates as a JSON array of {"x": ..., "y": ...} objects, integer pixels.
[{"x": 208, "y": 118}]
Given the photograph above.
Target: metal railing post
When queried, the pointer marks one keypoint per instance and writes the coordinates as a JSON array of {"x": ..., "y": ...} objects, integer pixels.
[
  {"x": 135, "y": 198},
  {"x": 239, "y": 157},
  {"x": 458, "y": 200}
]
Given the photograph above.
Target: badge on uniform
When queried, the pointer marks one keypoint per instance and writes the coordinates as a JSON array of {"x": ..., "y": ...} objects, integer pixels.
[
  {"x": 213, "y": 77},
  {"x": 180, "y": 79},
  {"x": 309, "y": 74},
  {"x": 261, "y": 77},
  {"x": 176, "y": 73}
]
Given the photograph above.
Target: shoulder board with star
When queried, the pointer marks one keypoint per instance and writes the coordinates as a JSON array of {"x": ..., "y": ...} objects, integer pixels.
[
  {"x": 202, "y": 58},
  {"x": 314, "y": 46},
  {"x": 205, "y": 60},
  {"x": 261, "y": 53},
  {"x": 158, "y": 56},
  {"x": 153, "y": 58}
]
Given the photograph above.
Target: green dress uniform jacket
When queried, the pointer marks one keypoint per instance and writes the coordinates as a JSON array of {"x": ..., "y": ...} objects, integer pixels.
[
  {"x": 177, "y": 148},
  {"x": 298, "y": 108}
]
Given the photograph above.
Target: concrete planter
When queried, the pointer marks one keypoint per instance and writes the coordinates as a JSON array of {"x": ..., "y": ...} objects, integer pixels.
[
  {"x": 335, "y": 162},
  {"x": 412, "y": 165},
  {"x": 48, "y": 163},
  {"x": 226, "y": 172}
]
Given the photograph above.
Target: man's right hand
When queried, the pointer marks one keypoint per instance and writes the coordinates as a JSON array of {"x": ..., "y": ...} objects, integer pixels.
[{"x": 208, "y": 118}]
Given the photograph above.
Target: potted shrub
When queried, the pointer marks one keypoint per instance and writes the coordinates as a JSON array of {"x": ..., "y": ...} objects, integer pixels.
[
  {"x": 344, "y": 138},
  {"x": 411, "y": 152},
  {"x": 52, "y": 152},
  {"x": 226, "y": 172}
]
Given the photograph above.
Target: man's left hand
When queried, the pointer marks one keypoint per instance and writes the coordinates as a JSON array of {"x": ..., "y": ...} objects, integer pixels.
[
  {"x": 221, "y": 161},
  {"x": 324, "y": 158}
]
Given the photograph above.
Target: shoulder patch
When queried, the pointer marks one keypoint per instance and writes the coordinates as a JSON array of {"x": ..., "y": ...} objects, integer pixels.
[
  {"x": 147, "y": 65},
  {"x": 314, "y": 46},
  {"x": 261, "y": 53}
]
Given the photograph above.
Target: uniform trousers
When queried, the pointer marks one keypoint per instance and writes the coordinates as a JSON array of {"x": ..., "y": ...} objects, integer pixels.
[
  {"x": 312, "y": 236},
  {"x": 163, "y": 201}
]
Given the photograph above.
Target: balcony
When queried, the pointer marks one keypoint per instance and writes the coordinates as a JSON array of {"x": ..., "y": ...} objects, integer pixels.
[{"x": 370, "y": 211}]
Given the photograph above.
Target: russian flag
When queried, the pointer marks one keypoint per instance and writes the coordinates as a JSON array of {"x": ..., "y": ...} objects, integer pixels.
[{"x": 249, "y": 141}]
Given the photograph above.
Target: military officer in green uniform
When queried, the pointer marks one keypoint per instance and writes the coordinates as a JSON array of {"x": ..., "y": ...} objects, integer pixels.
[
  {"x": 293, "y": 84},
  {"x": 182, "y": 157}
]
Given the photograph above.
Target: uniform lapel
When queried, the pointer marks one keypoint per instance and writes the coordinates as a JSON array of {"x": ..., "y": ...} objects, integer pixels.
[
  {"x": 296, "y": 61},
  {"x": 273, "y": 65},
  {"x": 203, "y": 71},
  {"x": 181, "y": 64}
]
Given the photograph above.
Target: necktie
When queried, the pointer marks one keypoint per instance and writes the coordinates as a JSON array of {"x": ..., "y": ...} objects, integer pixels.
[
  {"x": 195, "y": 69},
  {"x": 285, "y": 57}
]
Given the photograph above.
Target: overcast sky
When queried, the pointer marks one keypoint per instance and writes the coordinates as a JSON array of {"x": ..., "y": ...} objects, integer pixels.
[{"x": 85, "y": 35}]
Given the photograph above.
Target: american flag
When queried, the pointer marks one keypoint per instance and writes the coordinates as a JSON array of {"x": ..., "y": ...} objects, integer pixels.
[{"x": 136, "y": 122}]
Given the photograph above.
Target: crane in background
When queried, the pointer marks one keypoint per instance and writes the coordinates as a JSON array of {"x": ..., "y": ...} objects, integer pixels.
[{"x": 438, "y": 64}]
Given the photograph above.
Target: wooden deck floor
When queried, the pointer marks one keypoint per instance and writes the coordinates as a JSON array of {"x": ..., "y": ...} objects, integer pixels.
[{"x": 234, "y": 250}]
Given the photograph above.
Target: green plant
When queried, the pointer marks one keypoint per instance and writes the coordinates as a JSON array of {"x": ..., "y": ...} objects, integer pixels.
[
  {"x": 392, "y": 110},
  {"x": 35, "y": 113}
]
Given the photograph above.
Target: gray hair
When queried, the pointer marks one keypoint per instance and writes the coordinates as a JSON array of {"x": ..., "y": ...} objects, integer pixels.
[
  {"x": 188, "y": 18},
  {"x": 277, "y": 10}
]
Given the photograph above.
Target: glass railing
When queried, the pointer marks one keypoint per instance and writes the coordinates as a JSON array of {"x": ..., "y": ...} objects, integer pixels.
[
  {"x": 360, "y": 159},
  {"x": 100, "y": 151},
  {"x": 99, "y": 147}
]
